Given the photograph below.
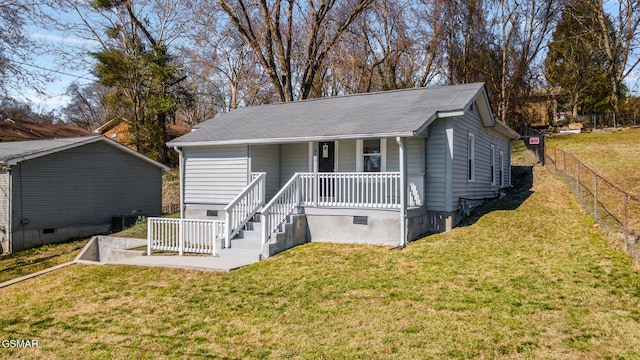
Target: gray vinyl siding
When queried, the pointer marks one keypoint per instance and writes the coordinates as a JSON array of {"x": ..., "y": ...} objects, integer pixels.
[
  {"x": 266, "y": 158},
  {"x": 214, "y": 175},
  {"x": 347, "y": 156},
  {"x": 415, "y": 155},
  {"x": 4, "y": 199},
  {"x": 86, "y": 185},
  {"x": 436, "y": 159},
  {"x": 294, "y": 157},
  {"x": 481, "y": 187}
]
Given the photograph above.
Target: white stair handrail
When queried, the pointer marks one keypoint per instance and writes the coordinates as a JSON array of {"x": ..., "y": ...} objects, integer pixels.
[
  {"x": 244, "y": 206},
  {"x": 283, "y": 204}
]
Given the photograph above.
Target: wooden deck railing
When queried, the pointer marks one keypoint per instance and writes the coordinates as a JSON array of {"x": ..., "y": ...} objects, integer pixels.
[
  {"x": 184, "y": 235},
  {"x": 244, "y": 206}
]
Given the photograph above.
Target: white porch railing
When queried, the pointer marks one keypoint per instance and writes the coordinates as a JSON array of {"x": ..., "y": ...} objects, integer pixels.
[
  {"x": 363, "y": 190},
  {"x": 244, "y": 206},
  {"x": 184, "y": 235}
]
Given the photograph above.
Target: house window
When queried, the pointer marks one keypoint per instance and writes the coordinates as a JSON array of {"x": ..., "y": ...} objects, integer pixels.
[
  {"x": 501, "y": 172},
  {"x": 493, "y": 165},
  {"x": 372, "y": 155},
  {"x": 471, "y": 154}
]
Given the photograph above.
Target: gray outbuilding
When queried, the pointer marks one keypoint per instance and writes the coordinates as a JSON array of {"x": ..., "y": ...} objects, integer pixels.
[{"x": 59, "y": 189}]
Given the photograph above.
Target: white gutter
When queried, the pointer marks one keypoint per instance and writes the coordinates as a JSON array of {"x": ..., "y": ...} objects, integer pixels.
[
  {"x": 403, "y": 191},
  {"x": 181, "y": 171},
  {"x": 267, "y": 141}
]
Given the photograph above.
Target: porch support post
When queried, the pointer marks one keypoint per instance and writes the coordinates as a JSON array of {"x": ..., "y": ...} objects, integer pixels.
[
  {"x": 181, "y": 171},
  {"x": 316, "y": 184},
  {"x": 403, "y": 190}
]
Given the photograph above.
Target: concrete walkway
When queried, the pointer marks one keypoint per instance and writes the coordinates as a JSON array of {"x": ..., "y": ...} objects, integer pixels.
[{"x": 200, "y": 263}]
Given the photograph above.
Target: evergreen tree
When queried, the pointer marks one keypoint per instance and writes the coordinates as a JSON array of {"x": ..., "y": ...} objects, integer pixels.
[
  {"x": 145, "y": 76},
  {"x": 575, "y": 60}
]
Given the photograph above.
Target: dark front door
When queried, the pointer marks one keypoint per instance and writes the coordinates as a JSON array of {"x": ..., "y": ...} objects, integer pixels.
[
  {"x": 326, "y": 163},
  {"x": 327, "y": 158}
]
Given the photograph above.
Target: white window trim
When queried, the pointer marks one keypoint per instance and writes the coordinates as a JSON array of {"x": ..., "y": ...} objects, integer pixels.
[
  {"x": 501, "y": 168},
  {"x": 493, "y": 165},
  {"x": 360, "y": 155},
  {"x": 471, "y": 157}
]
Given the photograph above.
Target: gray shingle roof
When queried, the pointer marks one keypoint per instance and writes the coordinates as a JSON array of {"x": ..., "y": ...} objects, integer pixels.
[
  {"x": 389, "y": 113},
  {"x": 14, "y": 152}
]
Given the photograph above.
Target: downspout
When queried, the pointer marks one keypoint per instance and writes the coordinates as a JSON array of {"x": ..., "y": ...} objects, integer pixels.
[
  {"x": 181, "y": 171},
  {"x": 403, "y": 191}
]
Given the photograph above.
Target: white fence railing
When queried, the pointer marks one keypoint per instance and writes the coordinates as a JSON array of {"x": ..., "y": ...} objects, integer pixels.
[
  {"x": 244, "y": 206},
  {"x": 184, "y": 235},
  {"x": 362, "y": 190}
]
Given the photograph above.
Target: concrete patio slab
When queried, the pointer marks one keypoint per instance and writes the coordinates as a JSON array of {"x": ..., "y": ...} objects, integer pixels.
[{"x": 199, "y": 263}]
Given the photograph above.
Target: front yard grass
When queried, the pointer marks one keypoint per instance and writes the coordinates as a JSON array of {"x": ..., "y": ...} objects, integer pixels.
[
  {"x": 533, "y": 278},
  {"x": 13, "y": 266}
]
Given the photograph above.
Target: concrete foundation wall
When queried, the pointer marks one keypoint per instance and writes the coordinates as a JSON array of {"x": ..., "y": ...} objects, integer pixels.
[
  {"x": 341, "y": 229},
  {"x": 205, "y": 212},
  {"x": 33, "y": 238},
  {"x": 295, "y": 234}
]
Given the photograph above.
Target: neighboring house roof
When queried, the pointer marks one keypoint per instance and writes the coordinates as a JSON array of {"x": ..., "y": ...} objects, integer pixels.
[
  {"x": 381, "y": 114},
  {"x": 172, "y": 129},
  {"x": 12, "y": 153},
  {"x": 21, "y": 130}
]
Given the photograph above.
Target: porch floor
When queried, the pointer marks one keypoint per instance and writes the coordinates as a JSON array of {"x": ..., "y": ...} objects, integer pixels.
[{"x": 199, "y": 263}]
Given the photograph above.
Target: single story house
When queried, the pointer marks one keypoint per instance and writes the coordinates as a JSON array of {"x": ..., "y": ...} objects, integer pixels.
[
  {"x": 380, "y": 168},
  {"x": 58, "y": 189}
]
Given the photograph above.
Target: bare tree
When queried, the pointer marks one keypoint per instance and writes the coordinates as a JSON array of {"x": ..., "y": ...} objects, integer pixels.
[
  {"x": 621, "y": 46},
  {"x": 289, "y": 36},
  {"x": 17, "y": 50}
]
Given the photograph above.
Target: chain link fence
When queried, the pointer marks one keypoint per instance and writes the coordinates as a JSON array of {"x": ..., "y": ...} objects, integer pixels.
[{"x": 614, "y": 209}]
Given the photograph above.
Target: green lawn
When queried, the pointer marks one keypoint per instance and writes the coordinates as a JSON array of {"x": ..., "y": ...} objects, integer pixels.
[
  {"x": 615, "y": 156},
  {"x": 532, "y": 278}
]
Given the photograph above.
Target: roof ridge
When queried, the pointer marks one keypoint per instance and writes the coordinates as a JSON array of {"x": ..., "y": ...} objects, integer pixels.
[{"x": 378, "y": 92}]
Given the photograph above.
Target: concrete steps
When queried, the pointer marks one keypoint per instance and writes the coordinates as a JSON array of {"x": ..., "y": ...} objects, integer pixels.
[{"x": 247, "y": 245}]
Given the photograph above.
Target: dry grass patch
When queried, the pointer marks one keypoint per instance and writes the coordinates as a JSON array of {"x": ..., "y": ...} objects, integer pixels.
[
  {"x": 615, "y": 156},
  {"x": 27, "y": 262}
]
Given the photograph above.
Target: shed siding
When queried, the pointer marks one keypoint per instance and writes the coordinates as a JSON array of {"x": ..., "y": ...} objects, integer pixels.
[
  {"x": 4, "y": 208},
  {"x": 436, "y": 174},
  {"x": 214, "y": 175},
  {"x": 86, "y": 185},
  {"x": 266, "y": 158},
  {"x": 481, "y": 188},
  {"x": 293, "y": 158}
]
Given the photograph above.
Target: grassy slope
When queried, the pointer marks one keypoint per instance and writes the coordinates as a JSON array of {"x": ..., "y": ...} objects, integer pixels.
[
  {"x": 27, "y": 262},
  {"x": 615, "y": 156},
  {"x": 539, "y": 281}
]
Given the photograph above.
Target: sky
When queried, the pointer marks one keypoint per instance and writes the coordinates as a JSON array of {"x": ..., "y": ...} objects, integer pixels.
[{"x": 65, "y": 74}]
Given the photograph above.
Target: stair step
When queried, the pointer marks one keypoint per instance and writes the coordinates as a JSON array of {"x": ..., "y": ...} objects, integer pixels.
[
  {"x": 241, "y": 254},
  {"x": 251, "y": 244}
]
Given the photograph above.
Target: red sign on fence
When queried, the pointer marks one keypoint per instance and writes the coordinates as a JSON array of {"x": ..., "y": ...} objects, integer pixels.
[{"x": 534, "y": 141}]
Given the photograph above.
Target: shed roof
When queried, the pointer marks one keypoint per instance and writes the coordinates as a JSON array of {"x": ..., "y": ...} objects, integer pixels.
[
  {"x": 14, "y": 152},
  {"x": 380, "y": 114}
]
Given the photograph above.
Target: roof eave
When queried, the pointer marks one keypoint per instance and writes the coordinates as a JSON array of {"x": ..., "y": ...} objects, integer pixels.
[{"x": 271, "y": 141}]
